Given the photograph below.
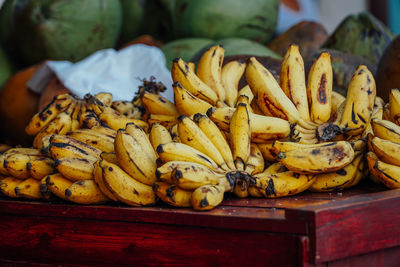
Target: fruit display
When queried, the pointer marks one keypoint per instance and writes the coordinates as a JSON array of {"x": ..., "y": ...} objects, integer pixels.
[{"x": 384, "y": 144}]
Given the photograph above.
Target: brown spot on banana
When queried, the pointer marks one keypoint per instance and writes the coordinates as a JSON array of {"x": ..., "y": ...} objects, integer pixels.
[{"x": 322, "y": 95}]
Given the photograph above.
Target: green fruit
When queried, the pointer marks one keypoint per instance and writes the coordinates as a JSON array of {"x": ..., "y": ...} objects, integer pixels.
[
  {"x": 216, "y": 19},
  {"x": 6, "y": 69},
  {"x": 132, "y": 15},
  {"x": 184, "y": 48},
  {"x": 238, "y": 46},
  {"x": 362, "y": 35},
  {"x": 61, "y": 30}
]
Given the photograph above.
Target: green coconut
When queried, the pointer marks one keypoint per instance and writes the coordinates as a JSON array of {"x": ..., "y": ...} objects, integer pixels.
[
  {"x": 185, "y": 48},
  {"x": 239, "y": 46},
  {"x": 217, "y": 19},
  {"x": 361, "y": 35},
  {"x": 6, "y": 69},
  {"x": 132, "y": 15},
  {"x": 60, "y": 30}
]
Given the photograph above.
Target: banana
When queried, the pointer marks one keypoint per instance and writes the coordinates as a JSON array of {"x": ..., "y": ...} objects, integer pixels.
[
  {"x": 128, "y": 109},
  {"x": 126, "y": 188},
  {"x": 360, "y": 174},
  {"x": 93, "y": 138},
  {"x": 8, "y": 185},
  {"x": 116, "y": 121},
  {"x": 142, "y": 139},
  {"x": 293, "y": 81},
  {"x": 246, "y": 90},
  {"x": 48, "y": 113},
  {"x": 105, "y": 98},
  {"x": 283, "y": 184},
  {"x": 207, "y": 197},
  {"x": 240, "y": 132},
  {"x": 57, "y": 184},
  {"x": 387, "y": 151},
  {"x": 75, "y": 124},
  {"x": 110, "y": 157},
  {"x": 359, "y": 102},
  {"x": 3, "y": 169},
  {"x": 134, "y": 159},
  {"x": 63, "y": 146},
  {"x": 182, "y": 152},
  {"x": 98, "y": 178},
  {"x": 221, "y": 116},
  {"x": 60, "y": 125},
  {"x": 174, "y": 133},
  {"x": 322, "y": 159},
  {"x": 166, "y": 120},
  {"x": 386, "y": 130},
  {"x": 372, "y": 158},
  {"x": 29, "y": 188},
  {"x": 190, "y": 81},
  {"x": 45, "y": 193},
  {"x": 337, "y": 99},
  {"x": 388, "y": 174},
  {"x": 40, "y": 166},
  {"x": 16, "y": 165},
  {"x": 157, "y": 104},
  {"x": 85, "y": 192},
  {"x": 75, "y": 169},
  {"x": 188, "y": 104},
  {"x": 159, "y": 135},
  {"x": 192, "y": 66},
  {"x": 255, "y": 162},
  {"x": 394, "y": 105},
  {"x": 89, "y": 119},
  {"x": 332, "y": 181},
  {"x": 240, "y": 189},
  {"x": 192, "y": 135},
  {"x": 102, "y": 130},
  {"x": 267, "y": 151},
  {"x": 209, "y": 70},
  {"x": 173, "y": 195},
  {"x": 377, "y": 113},
  {"x": 210, "y": 129},
  {"x": 23, "y": 150},
  {"x": 319, "y": 88},
  {"x": 231, "y": 74},
  {"x": 270, "y": 97},
  {"x": 279, "y": 146},
  {"x": 194, "y": 177}
]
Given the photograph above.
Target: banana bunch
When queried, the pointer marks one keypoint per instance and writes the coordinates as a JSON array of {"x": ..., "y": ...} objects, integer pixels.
[
  {"x": 21, "y": 172},
  {"x": 384, "y": 144}
]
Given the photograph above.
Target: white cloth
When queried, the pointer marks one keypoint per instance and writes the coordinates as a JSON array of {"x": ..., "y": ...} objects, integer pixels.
[{"x": 117, "y": 72}]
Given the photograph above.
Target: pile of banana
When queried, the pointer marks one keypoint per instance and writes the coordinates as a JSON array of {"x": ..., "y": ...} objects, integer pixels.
[{"x": 384, "y": 144}]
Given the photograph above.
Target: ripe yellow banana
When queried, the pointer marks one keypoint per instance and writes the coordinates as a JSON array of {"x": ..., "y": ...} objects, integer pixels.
[
  {"x": 16, "y": 165},
  {"x": 110, "y": 157},
  {"x": 255, "y": 162},
  {"x": 93, "y": 138},
  {"x": 174, "y": 133},
  {"x": 387, "y": 151},
  {"x": 8, "y": 185},
  {"x": 75, "y": 123},
  {"x": 359, "y": 102},
  {"x": 157, "y": 104},
  {"x": 62, "y": 146},
  {"x": 214, "y": 134},
  {"x": 188, "y": 104},
  {"x": 322, "y": 159},
  {"x": 372, "y": 158},
  {"x": 293, "y": 81},
  {"x": 207, "y": 197},
  {"x": 221, "y": 116},
  {"x": 394, "y": 105},
  {"x": 337, "y": 100},
  {"x": 40, "y": 166},
  {"x": 182, "y": 152},
  {"x": 128, "y": 109},
  {"x": 3, "y": 170},
  {"x": 173, "y": 195},
  {"x": 124, "y": 187},
  {"x": 192, "y": 135},
  {"x": 29, "y": 188},
  {"x": 388, "y": 174},
  {"x": 75, "y": 169},
  {"x": 231, "y": 74},
  {"x": 279, "y": 146},
  {"x": 319, "y": 88},
  {"x": 246, "y": 90},
  {"x": 270, "y": 97},
  {"x": 386, "y": 130},
  {"x": 105, "y": 98},
  {"x": 240, "y": 134},
  {"x": 360, "y": 174},
  {"x": 142, "y": 139},
  {"x": 57, "y": 184},
  {"x": 209, "y": 70},
  {"x": 98, "y": 178},
  {"x": 159, "y": 135},
  {"x": 45, "y": 116},
  {"x": 267, "y": 151},
  {"x": 190, "y": 81},
  {"x": 332, "y": 181},
  {"x": 166, "y": 120},
  {"x": 85, "y": 192},
  {"x": 194, "y": 177},
  {"x": 116, "y": 121}
]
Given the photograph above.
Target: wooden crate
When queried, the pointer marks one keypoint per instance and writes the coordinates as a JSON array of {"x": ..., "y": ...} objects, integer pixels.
[{"x": 359, "y": 227}]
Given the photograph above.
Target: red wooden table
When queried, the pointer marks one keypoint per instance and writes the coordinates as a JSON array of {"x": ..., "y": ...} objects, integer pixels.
[{"x": 359, "y": 227}]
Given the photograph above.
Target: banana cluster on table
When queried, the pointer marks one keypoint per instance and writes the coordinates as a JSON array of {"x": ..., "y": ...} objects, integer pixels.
[{"x": 384, "y": 144}]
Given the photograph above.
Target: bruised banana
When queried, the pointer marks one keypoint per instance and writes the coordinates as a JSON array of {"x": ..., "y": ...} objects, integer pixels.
[
  {"x": 45, "y": 192},
  {"x": 157, "y": 104},
  {"x": 191, "y": 134},
  {"x": 231, "y": 74},
  {"x": 93, "y": 138},
  {"x": 125, "y": 188},
  {"x": 159, "y": 135},
  {"x": 293, "y": 81},
  {"x": 240, "y": 134},
  {"x": 62, "y": 146},
  {"x": 173, "y": 195},
  {"x": 188, "y": 104},
  {"x": 319, "y": 89},
  {"x": 328, "y": 158},
  {"x": 128, "y": 109},
  {"x": 40, "y": 166},
  {"x": 214, "y": 134},
  {"x": 359, "y": 102},
  {"x": 190, "y": 81},
  {"x": 29, "y": 188},
  {"x": 207, "y": 197}
]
